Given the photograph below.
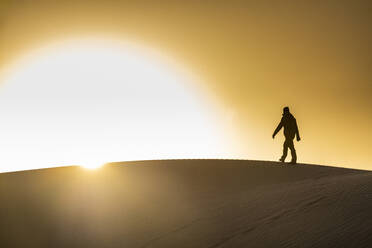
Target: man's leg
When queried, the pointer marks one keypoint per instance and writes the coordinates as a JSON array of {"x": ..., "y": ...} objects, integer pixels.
[
  {"x": 285, "y": 151},
  {"x": 293, "y": 151}
]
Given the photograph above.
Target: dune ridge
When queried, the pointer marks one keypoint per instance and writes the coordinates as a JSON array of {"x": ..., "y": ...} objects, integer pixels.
[{"x": 187, "y": 203}]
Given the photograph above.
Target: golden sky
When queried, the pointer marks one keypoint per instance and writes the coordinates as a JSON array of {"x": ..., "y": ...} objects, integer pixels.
[{"x": 255, "y": 57}]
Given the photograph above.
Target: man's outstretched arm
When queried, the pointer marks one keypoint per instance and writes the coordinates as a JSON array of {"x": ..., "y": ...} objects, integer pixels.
[{"x": 280, "y": 125}]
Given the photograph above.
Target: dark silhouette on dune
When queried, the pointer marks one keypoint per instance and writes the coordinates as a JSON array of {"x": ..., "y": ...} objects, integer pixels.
[{"x": 290, "y": 131}]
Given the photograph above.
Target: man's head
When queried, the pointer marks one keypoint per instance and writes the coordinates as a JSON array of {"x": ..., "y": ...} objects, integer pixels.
[{"x": 286, "y": 110}]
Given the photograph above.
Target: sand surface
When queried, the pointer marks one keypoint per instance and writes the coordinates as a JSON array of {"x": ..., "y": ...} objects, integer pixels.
[{"x": 187, "y": 203}]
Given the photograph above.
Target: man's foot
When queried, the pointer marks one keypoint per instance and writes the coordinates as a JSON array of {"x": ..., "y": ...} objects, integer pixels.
[
  {"x": 282, "y": 160},
  {"x": 293, "y": 162}
]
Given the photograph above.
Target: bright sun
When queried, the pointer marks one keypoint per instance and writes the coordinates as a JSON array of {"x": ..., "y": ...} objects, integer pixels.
[{"x": 91, "y": 102}]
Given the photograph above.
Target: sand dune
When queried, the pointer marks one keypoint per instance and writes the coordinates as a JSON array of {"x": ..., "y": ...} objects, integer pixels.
[{"x": 187, "y": 203}]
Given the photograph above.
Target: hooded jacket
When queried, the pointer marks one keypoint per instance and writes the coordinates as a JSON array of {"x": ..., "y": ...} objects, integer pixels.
[{"x": 290, "y": 126}]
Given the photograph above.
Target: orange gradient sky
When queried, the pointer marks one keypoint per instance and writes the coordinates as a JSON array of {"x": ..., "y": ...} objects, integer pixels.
[{"x": 251, "y": 57}]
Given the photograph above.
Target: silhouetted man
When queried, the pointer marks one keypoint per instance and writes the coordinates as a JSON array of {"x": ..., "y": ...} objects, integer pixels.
[{"x": 290, "y": 131}]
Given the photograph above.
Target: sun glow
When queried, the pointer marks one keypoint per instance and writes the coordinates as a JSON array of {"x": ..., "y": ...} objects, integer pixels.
[
  {"x": 92, "y": 166},
  {"x": 91, "y": 102}
]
